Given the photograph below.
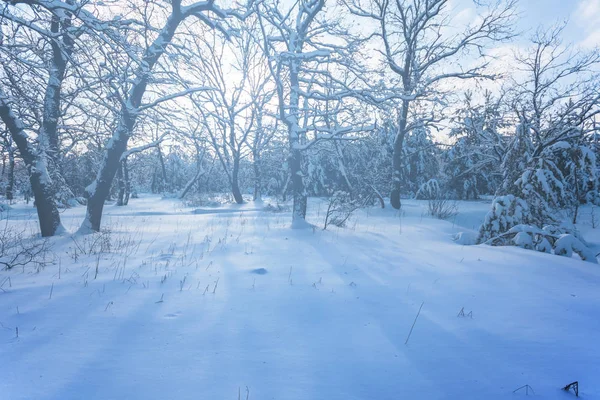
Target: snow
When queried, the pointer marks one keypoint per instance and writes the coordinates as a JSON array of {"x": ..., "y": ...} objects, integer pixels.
[
  {"x": 190, "y": 305},
  {"x": 465, "y": 238}
]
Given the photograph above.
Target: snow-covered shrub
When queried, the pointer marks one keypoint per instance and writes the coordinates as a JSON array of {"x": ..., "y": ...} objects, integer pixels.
[
  {"x": 94, "y": 243},
  {"x": 340, "y": 208},
  {"x": 421, "y": 158},
  {"x": 567, "y": 244},
  {"x": 472, "y": 164},
  {"x": 18, "y": 250},
  {"x": 76, "y": 201},
  {"x": 542, "y": 187},
  {"x": 276, "y": 208},
  {"x": 206, "y": 200},
  {"x": 465, "y": 238},
  {"x": 507, "y": 211},
  {"x": 593, "y": 197},
  {"x": 442, "y": 208},
  {"x": 544, "y": 246},
  {"x": 429, "y": 190},
  {"x": 524, "y": 240},
  {"x": 515, "y": 159},
  {"x": 545, "y": 240}
]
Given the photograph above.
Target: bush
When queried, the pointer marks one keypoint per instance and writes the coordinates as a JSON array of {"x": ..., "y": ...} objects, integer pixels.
[
  {"x": 551, "y": 238},
  {"x": 507, "y": 211},
  {"x": 17, "y": 250},
  {"x": 442, "y": 208},
  {"x": 340, "y": 208},
  {"x": 430, "y": 190}
]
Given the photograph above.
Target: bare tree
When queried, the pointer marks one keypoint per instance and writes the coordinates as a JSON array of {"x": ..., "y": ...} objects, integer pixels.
[
  {"x": 154, "y": 41},
  {"x": 53, "y": 25},
  {"x": 559, "y": 94},
  {"x": 423, "y": 51},
  {"x": 313, "y": 62},
  {"x": 228, "y": 113}
]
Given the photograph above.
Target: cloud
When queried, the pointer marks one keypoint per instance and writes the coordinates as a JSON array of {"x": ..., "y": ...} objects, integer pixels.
[
  {"x": 592, "y": 40},
  {"x": 588, "y": 11}
]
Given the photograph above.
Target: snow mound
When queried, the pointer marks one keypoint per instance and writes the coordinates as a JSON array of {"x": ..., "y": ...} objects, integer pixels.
[{"x": 465, "y": 238}]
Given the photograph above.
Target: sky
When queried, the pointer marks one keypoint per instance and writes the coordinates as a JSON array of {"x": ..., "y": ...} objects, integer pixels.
[{"x": 583, "y": 17}]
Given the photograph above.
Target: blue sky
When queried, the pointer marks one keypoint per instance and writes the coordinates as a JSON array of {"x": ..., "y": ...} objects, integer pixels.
[{"x": 583, "y": 18}]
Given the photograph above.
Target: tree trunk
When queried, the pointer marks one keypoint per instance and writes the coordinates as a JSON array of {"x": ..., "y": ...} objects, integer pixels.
[
  {"x": 199, "y": 172},
  {"x": 257, "y": 179},
  {"x": 396, "y": 175},
  {"x": 235, "y": 186},
  {"x": 36, "y": 163},
  {"x": 127, "y": 182},
  {"x": 190, "y": 184},
  {"x": 296, "y": 155},
  {"x": 11, "y": 175},
  {"x": 298, "y": 193},
  {"x": 342, "y": 168},
  {"x": 397, "y": 157},
  {"x": 153, "y": 188},
  {"x": 99, "y": 190},
  {"x": 121, "y": 184},
  {"x": 577, "y": 196},
  {"x": 163, "y": 170}
]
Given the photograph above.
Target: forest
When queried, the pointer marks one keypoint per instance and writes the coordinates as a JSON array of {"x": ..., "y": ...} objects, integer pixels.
[{"x": 143, "y": 140}]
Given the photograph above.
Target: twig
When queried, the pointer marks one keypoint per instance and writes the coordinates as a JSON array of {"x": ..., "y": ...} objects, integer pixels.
[
  {"x": 527, "y": 388},
  {"x": 413, "y": 325}
]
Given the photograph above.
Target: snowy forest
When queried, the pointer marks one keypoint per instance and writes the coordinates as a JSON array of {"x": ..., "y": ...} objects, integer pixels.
[{"x": 334, "y": 152}]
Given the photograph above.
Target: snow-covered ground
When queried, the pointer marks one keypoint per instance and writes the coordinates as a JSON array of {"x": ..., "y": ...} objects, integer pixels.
[{"x": 228, "y": 303}]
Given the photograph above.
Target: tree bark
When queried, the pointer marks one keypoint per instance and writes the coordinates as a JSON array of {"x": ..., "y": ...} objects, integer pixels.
[
  {"x": 11, "y": 175},
  {"x": 98, "y": 192},
  {"x": 164, "y": 186},
  {"x": 121, "y": 185},
  {"x": 397, "y": 157},
  {"x": 36, "y": 163},
  {"x": 257, "y": 179},
  {"x": 235, "y": 185},
  {"x": 298, "y": 192},
  {"x": 296, "y": 154},
  {"x": 127, "y": 182}
]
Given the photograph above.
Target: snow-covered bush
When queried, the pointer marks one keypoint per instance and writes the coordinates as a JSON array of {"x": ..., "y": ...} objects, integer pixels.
[
  {"x": 465, "y": 238},
  {"x": 429, "y": 190},
  {"x": 442, "y": 208},
  {"x": 543, "y": 189},
  {"x": 276, "y": 208},
  {"x": 524, "y": 240},
  {"x": 18, "y": 250},
  {"x": 547, "y": 240},
  {"x": 507, "y": 211},
  {"x": 207, "y": 200},
  {"x": 421, "y": 158},
  {"x": 472, "y": 164},
  {"x": 567, "y": 244},
  {"x": 340, "y": 207}
]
